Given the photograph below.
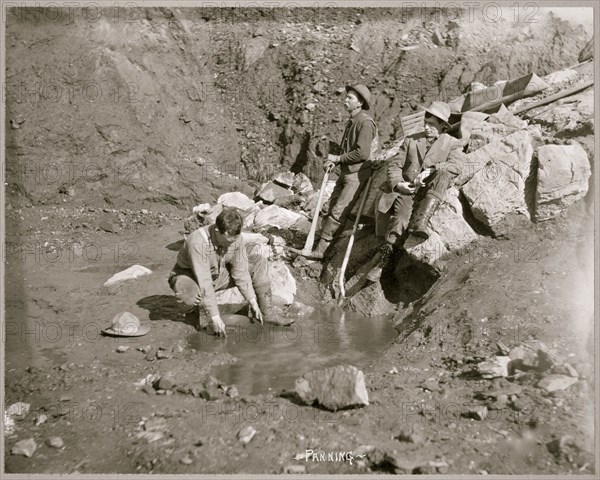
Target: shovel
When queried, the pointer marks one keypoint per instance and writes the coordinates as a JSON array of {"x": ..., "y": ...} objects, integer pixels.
[
  {"x": 310, "y": 240},
  {"x": 363, "y": 198}
]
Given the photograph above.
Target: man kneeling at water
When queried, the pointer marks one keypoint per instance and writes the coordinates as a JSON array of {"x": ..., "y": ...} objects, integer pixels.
[{"x": 214, "y": 258}]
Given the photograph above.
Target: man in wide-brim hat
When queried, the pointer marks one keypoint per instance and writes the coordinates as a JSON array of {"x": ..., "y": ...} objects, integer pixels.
[
  {"x": 420, "y": 176},
  {"x": 355, "y": 168}
]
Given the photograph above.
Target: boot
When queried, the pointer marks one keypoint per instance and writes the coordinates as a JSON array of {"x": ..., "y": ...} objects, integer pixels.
[
  {"x": 264, "y": 297},
  {"x": 328, "y": 229},
  {"x": 385, "y": 253},
  {"x": 418, "y": 223}
]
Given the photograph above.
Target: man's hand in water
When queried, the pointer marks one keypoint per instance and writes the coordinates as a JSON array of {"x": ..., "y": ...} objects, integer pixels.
[
  {"x": 256, "y": 311},
  {"x": 218, "y": 326}
]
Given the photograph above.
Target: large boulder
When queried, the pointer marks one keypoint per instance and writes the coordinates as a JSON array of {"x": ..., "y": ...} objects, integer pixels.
[
  {"x": 516, "y": 148},
  {"x": 498, "y": 188},
  {"x": 494, "y": 128},
  {"x": 574, "y": 114},
  {"x": 311, "y": 199},
  {"x": 270, "y": 192},
  {"x": 302, "y": 184},
  {"x": 274, "y": 216},
  {"x": 283, "y": 284},
  {"x": 562, "y": 178},
  {"x": 449, "y": 223},
  {"x": 235, "y": 200},
  {"x": 430, "y": 251},
  {"x": 334, "y": 388}
]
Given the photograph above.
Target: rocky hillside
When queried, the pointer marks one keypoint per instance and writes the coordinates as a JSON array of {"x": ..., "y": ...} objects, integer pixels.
[{"x": 175, "y": 106}]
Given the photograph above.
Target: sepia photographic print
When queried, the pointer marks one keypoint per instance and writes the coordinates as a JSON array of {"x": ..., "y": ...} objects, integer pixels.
[{"x": 299, "y": 238}]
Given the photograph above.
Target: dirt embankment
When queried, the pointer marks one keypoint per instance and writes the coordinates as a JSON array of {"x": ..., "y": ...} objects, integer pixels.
[{"x": 174, "y": 106}]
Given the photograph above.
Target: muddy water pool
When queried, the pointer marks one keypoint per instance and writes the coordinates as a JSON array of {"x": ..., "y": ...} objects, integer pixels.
[{"x": 269, "y": 359}]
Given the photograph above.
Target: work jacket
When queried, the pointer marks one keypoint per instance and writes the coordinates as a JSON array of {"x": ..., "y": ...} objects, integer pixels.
[
  {"x": 443, "y": 154},
  {"x": 356, "y": 143}
]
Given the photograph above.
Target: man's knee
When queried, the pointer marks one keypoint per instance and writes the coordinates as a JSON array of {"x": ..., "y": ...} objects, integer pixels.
[
  {"x": 259, "y": 269},
  {"x": 186, "y": 290}
]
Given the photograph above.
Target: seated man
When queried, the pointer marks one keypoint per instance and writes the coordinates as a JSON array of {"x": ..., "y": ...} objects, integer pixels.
[
  {"x": 429, "y": 167},
  {"x": 214, "y": 258}
]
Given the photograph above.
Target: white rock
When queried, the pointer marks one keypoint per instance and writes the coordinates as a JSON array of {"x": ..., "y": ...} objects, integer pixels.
[
  {"x": 430, "y": 251},
  {"x": 498, "y": 188},
  {"x": 563, "y": 175},
  {"x": 553, "y": 383},
  {"x": 202, "y": 208},
  {"x": 494, "y": 367},
  {"x": 561, "y": 76},
  {"x": 130, "y": 273},
  {"x": 236, "y": 200},
  {"x": 254, "y": 238},
  {"x": 24, "y": 447},
  {"x": 18, "y": 410},
  {"x": 283, "y": 284},
  {"x": 246, "y": 434},
  {"x": 449, "y": 223},
  {"x": 274, "y": 216},
  {"x": 334, "y": 388}
]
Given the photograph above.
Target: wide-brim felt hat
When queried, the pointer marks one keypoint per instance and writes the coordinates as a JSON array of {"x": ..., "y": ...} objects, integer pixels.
[
  {"x": 126, "y": 324},
  {"x": 439, "y": 110},
  {"x": 364, "y": 94}
]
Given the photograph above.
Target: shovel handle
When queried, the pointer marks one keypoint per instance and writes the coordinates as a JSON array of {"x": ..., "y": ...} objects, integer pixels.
[
  {"x": 363, "y": 199},
  {"x": 310, "y": 239}
]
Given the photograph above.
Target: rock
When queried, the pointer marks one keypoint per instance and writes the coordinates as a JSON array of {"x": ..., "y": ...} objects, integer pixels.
[
  {"x": 319, "y": 87},
  {"x": 150, "y": 436},
  {"x": 270, "y": 192},
  {"x": 108, "y": 227},
  {"x": 311, "y": 200},
  {"x": 230, "y": 300},
  {"x": 297, "y": 309},
  {"x": 24, "y": 447},
  {"x": 432, "y": 385},
  {"x": 333, "y": 388},
  {"x": 18, "y": 410},
  {"x": 449, "y": 223},
  {"x": 187, "y": 460},
  {"x": 571, "y": 115},
  {"x": 494, "y": 367},
  {"x": 498, "y": 188},
  {"x": 165, "y": 382},
  {"x": 161, "y": 355},
  {"x": 56, "y": 442},
  {"x": 410, "y": 435},
  {"x": 232, "y": 392},
  {"x": 284, "y": 179},
  {"x": 503, "y": 350},
  {"x": 148, "y": 389},
  {"x": 438, "y": 39},
  {"x": 130, "y": 273},
  {"x": 430, "y": 251},
  {"x": 523, "y": 358},
  {"x": 302, "y": 184},
  {"x": 122, "y": 348},
  {"x": 478, "y": 412},
  {"x": 246, "y": 434},
  {"x": 561, "y": 77},
  {"x": 432, "y": 467},
  {"x": 563, "y": 175},
  {"x": 274, "y": 216},
  {"x": 291, "y": 469},
  {"x": 553, "y": 382},
  {"x": 310, "y": 107},
  {"x": 283, "y": 284},
  {"x": 302, "y": 225},
  {"x": 565, "y": 369},
  {"x": 41, "y": 418},
  {"x": 236, "y": 200},
  {"x": 202, "y": 208}
]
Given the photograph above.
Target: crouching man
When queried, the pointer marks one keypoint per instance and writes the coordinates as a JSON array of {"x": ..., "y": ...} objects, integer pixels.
[{"x": 214, "y": 258}]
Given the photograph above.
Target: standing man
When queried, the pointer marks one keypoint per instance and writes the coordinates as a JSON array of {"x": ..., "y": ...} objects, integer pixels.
[
  {"x": 214, "y": 258},
  {"x": 356, "y": 148},
  {"x": 422, "y": 176}
]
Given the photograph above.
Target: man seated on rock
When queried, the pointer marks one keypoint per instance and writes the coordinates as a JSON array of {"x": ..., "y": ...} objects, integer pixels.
[
  {"x": 214, "y": 258},
  {"x": 421, "y": 176}
]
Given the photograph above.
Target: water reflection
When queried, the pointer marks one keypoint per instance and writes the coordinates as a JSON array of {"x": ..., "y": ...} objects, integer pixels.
[{"x": 271, "y": 358}]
